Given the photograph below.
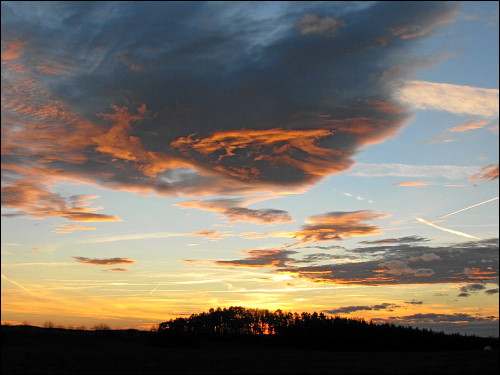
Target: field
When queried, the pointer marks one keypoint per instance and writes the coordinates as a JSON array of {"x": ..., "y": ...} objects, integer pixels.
[{"x": 92, "y": 353}]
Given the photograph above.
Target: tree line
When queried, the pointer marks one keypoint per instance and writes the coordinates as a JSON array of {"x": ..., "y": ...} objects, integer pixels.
[{"x": 311, "y": 330}]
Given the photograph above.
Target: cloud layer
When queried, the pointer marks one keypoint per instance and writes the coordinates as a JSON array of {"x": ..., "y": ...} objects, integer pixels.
[
  {"x": 200, "y": 98},
  {"x": 474, "y": 262}
]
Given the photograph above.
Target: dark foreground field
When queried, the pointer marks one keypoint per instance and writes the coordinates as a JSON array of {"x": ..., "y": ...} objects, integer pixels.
[{"x": 60, "y": 352}]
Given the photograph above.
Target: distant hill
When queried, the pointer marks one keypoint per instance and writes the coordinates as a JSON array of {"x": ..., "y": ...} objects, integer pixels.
[{"x": 311, "y": 330}]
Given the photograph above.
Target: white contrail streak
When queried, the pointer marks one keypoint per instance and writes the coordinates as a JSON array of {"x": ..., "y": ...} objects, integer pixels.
[
  {"x": 154, "y": 289},
  {"x": 16, "y": 283},
  {"x": 446, "y": 229},
  {"x": 138, "y": 236},
  {"x": 466, "y": 208}
]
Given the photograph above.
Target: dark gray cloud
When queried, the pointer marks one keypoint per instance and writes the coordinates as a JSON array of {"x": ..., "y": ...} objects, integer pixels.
[
  {"x": 203, "y": 97},
  {"x": 414, "y": 302},
  {"x": 475, "y": 263},
  {"x": 408, "y": 239},
  {"x": 118, "y": 269},
  {"x": 472, "y": 287},
  {"x": 467, "y": 290},
  {"x": 491, "y": 291},
  {"x": 322, "y": 247},
  {"x": 349, "y": 309},
  {"x": 463, "y": 323},
  {"x": 260, "y": 258},
  {"x": 318, "y": 257},
  {"x": 441, "y": 318}
]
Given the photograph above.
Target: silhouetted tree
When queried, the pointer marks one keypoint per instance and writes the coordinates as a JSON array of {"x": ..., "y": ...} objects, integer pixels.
[{"x": 311, "y": 330}]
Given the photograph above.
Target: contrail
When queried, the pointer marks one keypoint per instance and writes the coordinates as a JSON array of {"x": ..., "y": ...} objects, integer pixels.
[
  {"x": 475, "y": 205},
  {"x": 19, "y": 285},
  {"x": 446, "y": 229},
  {"x": 154, "y": 289}
]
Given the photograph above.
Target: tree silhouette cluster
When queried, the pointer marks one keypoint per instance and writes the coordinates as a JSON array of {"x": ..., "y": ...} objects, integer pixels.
[{"x": 311, "y": 330}]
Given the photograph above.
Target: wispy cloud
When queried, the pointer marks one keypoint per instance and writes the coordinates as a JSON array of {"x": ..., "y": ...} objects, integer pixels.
[
  {"x": 69, "y": 228},
  {"x": 408, "y": 239},
  {"x": 470, "y": 125},
  {"x": 103, "y": 261},
  {"x": 465, "y": 100},
  {"x": 131, "y": 237},
  {"x": 450, "y": 172},
  {"x": 414, "y": 183},
  {"x": 116, "y": 270},
  {"x": 234, "y": 210},
  {"x": 32, "y": 199},
  {"x": 212, "y": 235}
]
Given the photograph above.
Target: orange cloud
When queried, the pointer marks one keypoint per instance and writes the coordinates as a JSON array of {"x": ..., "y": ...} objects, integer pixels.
[
  {"x": 12, "y": 50},
  {"x": 231, "y": 208},
  {"x": 103, "y": 261},
  {"x": 39, "y": 131},
  {"x": 413, "y": 183},
  {"x": 30, "y": 198},
  {"x": 470, "y": 125},
  {"x": 488, "y": 173},
  {"x": 252, "y": 154},
  {"x": 212, "y": 235},
  {"x": 335, "y": 226},
  {"x": 118, "y": 143},
  {"x": 332, "y": 226}
]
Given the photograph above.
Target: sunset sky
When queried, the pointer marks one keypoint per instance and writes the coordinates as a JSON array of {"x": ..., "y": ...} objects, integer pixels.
[{"x": 163, "y": 158}]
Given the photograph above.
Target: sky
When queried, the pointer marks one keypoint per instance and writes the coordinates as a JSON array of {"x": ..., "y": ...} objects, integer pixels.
[{"x": 163, "y": 158}]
